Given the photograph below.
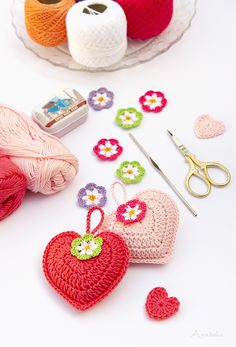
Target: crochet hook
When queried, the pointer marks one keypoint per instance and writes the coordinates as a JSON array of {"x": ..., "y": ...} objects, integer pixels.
[{"x": 167, "y": 180}]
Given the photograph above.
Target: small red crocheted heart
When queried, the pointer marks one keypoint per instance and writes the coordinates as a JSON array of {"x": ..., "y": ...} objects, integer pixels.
[
  {"x": 84, "y": 282},
  {"x": 159, "y": 306},
  {"x": 206, "y": 127}
]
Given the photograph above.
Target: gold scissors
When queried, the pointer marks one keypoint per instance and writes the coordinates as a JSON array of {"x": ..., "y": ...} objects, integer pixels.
[{"x": 199, "y": 169}]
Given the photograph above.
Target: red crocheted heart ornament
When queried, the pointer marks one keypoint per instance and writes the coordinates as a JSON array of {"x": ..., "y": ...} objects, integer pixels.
[
  {"x": 159, "y": 306},
  {"x": 83, "y": 283},
  {"x": 146, "y": 19}
]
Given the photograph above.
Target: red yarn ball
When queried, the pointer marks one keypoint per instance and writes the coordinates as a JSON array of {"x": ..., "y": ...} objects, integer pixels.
[
  {"x": 146, "y": 18},
  {"x": 12, "y": 187}
]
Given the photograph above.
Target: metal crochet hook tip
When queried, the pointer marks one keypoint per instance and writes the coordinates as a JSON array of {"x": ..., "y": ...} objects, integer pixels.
[
  {"x": 167, "y": 180},
  {"x": 170, "y": 133}
]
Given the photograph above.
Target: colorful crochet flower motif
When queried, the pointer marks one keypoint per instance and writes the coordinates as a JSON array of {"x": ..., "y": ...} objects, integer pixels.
[
  {"x": 108, "y": 149},
  {"x": 86, "y": 247},
  {"x": 153, "y": 101},
  {"x": 130, "y": 172},
  {"x": 131, "y": 212},
  {"x": 92, "y": 195},
  {"x": 100, "y": 99},
  {"x": 128, "y": 118}
]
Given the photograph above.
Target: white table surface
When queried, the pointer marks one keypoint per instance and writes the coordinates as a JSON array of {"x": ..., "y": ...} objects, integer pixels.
[{"x": 198, "y": 76}]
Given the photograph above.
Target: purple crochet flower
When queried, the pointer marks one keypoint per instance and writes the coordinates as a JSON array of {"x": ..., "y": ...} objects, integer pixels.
[
  {"x": 92, "y": 195},
  {"x": 100, "y": 99}
]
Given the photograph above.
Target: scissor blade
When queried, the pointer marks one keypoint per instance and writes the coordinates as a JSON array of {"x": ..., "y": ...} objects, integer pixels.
[{"x": 178, "y": 143}]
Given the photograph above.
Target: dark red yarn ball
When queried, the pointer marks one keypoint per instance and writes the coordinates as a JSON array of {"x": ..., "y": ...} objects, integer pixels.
[
  {"x": 12, "y": 187},
  {"x": 146, "y": 18}
]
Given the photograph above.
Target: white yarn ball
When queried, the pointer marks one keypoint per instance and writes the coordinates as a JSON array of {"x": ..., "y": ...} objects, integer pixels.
[{"x": 97, "y": 33}]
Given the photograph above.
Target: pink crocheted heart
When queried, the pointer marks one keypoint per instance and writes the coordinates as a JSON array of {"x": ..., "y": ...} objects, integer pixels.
[
  {"x": 206, "y": 127},
  {"x": 152, "y": 239}
]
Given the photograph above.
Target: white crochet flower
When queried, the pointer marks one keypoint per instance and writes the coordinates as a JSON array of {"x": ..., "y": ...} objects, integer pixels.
[
  {"x": 131, "y": 212},
  {"x": 128, "y": 117},
  {"x": 130, "y": 172},
  {"x": 87, "y": 247},
  {"x": 153, "y": 101},
  {"x": 92, "y": 197},
  {"x": 101, "y": 99},
  {"x": 108, "y": 149}
]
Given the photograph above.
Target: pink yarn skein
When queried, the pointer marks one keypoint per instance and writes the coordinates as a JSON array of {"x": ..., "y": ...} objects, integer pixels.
[{"x": 47, "y": 164}]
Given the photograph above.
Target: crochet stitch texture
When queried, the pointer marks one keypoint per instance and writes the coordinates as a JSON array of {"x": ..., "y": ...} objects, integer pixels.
[
  {"x": 206, "y": 127},
  {"x": 159, "y": 306},
  {"x": 152, "y": 239},
  {"x": 83, "y": 283}
]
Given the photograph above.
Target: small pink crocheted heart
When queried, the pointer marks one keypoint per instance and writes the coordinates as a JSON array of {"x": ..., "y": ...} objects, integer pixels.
[
  {"x": 206, "y": 127},
  {"x": 152, "y": 239}
]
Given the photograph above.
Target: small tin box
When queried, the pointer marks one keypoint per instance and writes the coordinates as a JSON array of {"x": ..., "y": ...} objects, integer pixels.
[{"x": 62, "y": 113}]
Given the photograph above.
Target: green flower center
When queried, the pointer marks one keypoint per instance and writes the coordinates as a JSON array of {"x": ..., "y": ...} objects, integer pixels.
[{"x": 86, "y": 247}]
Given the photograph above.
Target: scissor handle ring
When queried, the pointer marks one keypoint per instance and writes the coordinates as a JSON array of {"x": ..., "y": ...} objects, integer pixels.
[
  {"x": 220, "y": 167},
  {"x": 191, "y": 191}
]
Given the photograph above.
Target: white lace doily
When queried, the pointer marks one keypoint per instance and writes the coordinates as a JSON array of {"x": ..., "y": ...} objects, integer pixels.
[{"x": 137, "y": 52}]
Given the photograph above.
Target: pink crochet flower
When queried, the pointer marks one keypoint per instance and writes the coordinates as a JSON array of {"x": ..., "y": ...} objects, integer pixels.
[
  {"x": 108, "y": 149},
  {"x": 153, "y": 101},
  {"x": 131, "y": 212}
]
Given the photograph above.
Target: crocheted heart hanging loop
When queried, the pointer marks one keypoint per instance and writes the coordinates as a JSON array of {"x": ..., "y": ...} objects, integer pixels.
[
  {"x": 131, "y": 211},
  {"x": 85, "y": 269},
  {"x": 148, "y": 223}
]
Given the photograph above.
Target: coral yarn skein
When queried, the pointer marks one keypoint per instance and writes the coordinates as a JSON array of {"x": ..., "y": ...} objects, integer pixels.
[
  {"x": 12, "y": 187},
  {"x": 47, "y": 164},
  {"x": 146, "y": 19},
  {"x": 45, "y": 21}
]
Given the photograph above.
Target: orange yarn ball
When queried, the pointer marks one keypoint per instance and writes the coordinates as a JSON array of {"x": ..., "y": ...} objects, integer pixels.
[{"x": 46, "y": 21}]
